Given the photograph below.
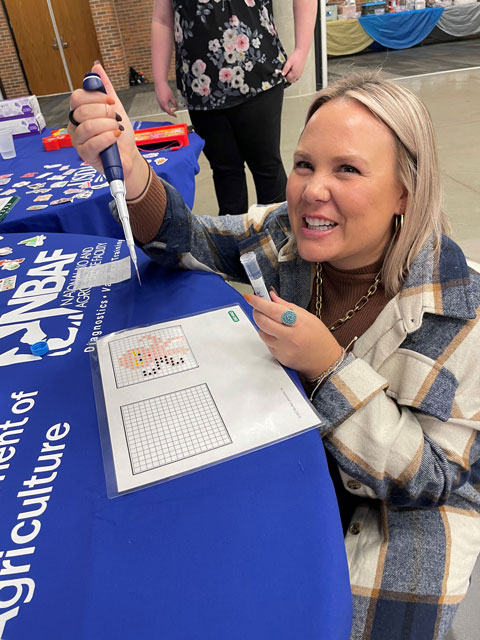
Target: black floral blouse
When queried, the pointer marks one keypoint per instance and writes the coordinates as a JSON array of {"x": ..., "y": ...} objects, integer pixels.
[{"x": 226, "y": 51}]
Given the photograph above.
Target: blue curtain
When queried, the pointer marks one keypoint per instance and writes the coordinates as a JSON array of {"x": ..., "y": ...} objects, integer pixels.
[{"x": 401, "y": 30}]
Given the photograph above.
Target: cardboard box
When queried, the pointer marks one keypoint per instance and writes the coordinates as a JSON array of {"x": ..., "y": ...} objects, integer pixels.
[
  {"x": 373, "y": 8},
  {"x": 331, "y": 12},
  {"x": 349, "y": 12},
  {"x": 25, "y": 107},
  {"x": 24, "y": 126}
]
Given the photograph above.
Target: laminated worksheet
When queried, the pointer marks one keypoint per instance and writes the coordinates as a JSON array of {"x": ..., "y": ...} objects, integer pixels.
[{"x": 179, "y": 396}]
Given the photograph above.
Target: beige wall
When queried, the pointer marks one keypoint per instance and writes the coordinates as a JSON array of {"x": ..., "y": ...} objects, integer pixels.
[{"x": 283, "y": 13}]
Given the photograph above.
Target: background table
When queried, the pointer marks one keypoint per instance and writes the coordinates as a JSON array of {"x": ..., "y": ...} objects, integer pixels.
[
  {"x": 250, "y": 548},
  {"x": 392, "y": 30},
  {"x": 402, "y": 30},
  {"x": 82, "y": 216}
]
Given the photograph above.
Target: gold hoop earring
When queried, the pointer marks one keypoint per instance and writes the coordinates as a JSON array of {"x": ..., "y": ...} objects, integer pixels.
[{"x": 398, "y": 222}]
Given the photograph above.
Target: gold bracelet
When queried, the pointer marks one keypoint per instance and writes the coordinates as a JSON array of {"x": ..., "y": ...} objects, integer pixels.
[
  {"x": 317, "y": 382},
  {"x": 328, "y": 371}
]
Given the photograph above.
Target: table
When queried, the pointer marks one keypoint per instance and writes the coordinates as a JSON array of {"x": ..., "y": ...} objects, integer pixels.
[
  {"x": 401, "y": 30},
  {"x": 392, "y": 30},
  {"x": 250, "y": 548},
  {"x": 88, "y": 215},
  {"x": 346, "y": 37},
  {"x": 458, "y": 21}
]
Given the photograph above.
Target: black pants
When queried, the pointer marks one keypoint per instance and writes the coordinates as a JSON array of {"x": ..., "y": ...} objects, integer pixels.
[{"x": 248, "y": 132}]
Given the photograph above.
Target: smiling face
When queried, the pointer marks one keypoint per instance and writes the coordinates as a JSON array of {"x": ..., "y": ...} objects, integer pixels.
[{"x": 343, "y": 190}]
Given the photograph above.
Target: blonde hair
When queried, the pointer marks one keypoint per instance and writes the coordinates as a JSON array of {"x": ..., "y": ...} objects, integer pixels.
[{"x": 417, "y": 164}]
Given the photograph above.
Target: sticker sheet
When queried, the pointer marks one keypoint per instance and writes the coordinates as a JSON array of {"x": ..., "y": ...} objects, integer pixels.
[{"x": 178, "y": 396}]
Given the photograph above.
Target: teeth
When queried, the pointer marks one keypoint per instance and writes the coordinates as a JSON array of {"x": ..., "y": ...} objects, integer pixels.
[{"x": 315, "y": 223}]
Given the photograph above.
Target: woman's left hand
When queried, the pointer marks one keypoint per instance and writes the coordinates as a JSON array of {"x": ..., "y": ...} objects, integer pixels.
[{"x": 306, "y": 345}]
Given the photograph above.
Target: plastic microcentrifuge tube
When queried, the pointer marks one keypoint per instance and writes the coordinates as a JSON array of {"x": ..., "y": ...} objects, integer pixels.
[{"x": 250, "y": 264}]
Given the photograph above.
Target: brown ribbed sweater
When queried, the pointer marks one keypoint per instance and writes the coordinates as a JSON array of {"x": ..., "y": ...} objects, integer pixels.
[
  {"x": 341, "y": 290},
  {"x": 146, "y": 213}
]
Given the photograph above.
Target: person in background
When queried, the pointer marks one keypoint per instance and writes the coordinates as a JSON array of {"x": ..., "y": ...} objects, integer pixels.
[
  {"x": 231, "y": 71},
  {"x": 378, "y": 312}
]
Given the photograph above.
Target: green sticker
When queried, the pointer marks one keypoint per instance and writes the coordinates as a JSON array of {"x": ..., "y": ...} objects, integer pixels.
[{"x": 234, "y": 316}]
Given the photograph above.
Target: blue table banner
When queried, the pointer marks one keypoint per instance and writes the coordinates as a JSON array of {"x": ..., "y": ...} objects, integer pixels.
[{"x": 250, "y": 548}]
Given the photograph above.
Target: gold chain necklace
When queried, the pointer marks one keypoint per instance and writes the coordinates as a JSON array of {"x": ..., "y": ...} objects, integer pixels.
[{"x": 359, "y": 305}]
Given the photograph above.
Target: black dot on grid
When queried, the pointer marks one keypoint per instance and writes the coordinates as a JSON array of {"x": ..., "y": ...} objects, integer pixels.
[{"x": 125, "y": 377}]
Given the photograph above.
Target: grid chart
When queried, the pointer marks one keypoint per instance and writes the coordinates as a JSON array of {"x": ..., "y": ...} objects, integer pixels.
[
  {"x": 155, "y": 354},
  {"x": 172, "y": 427}
]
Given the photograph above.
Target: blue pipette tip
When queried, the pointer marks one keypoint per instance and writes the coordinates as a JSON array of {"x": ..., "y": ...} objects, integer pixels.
[{"x": 39, "y": 348}]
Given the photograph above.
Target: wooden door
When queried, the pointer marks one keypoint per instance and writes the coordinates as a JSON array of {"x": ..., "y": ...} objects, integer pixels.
[
  {"x": 35, "y": 37},
  {"x": 75, "y": 26}
]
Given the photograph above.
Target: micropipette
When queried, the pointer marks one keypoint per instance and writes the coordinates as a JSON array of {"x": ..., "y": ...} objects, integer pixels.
[{"x": 112, "y": 165}]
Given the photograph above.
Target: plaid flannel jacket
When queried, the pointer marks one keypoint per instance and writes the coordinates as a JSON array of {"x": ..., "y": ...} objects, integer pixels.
[{"x": 402, "y": 418}]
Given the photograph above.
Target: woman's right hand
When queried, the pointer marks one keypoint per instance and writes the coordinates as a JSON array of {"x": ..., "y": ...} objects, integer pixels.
[
  {"x": 307, "y": 345},
  {"x": 165, "y": 98},
  {"x": 97, "y": 115}
]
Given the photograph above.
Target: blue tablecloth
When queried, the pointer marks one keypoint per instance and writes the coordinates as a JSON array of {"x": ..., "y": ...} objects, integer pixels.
[
  {"x": 83, "y": 216},
  {"x": 401, "y": 30},
  {"x": 251, "y": 548}
]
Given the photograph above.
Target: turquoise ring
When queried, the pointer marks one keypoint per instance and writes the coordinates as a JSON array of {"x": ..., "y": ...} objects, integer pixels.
[{"x": 289, "y": 317}]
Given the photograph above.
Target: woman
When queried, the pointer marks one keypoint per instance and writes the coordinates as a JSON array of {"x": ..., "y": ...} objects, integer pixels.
[
  {"x": 231, "y": 72},
  {"x": 384, "y": 332}
]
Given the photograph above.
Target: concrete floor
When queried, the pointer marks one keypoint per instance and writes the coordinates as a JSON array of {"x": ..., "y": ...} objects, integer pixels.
[{"x": 432, "y": 58}]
